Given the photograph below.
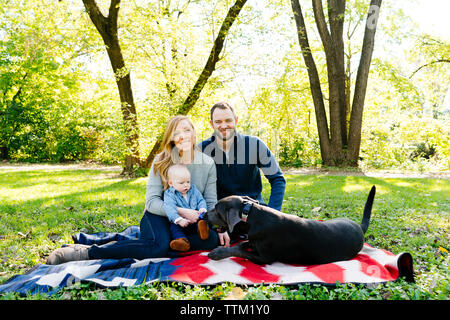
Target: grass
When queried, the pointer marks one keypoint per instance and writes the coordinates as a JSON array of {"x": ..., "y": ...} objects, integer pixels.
[{"x": 41, "y": 209}]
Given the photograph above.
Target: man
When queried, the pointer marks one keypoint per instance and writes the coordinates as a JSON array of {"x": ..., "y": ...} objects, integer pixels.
[{"x": 238, "y": 159}]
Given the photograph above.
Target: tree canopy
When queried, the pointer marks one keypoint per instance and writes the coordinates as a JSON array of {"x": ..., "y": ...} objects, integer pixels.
[{"x": 59, "y": 97}]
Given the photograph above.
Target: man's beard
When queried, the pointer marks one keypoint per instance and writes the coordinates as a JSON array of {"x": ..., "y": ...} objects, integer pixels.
[{"x": 230, "y": 135}]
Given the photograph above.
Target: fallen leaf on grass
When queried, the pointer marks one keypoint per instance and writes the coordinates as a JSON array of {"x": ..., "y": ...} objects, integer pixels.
[
  {"x": 236, "y": 294},
  {"x": 28, "y": 235}
]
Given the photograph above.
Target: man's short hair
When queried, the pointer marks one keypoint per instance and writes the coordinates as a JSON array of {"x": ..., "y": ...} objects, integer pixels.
[{"x": 222, "y": 105}]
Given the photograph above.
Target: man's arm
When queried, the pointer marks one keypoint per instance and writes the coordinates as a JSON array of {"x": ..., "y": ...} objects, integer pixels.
[{"x": 269, "y": 166}]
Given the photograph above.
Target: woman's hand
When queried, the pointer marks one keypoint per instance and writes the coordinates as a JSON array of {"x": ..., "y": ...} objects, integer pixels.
[
  {"x": 189, "y": 214},
  {"x": 183, "y": 222},
  {"x": 224, "y": 239}
]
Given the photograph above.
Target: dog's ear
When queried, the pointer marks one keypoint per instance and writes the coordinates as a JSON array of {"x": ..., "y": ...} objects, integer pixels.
[{"x": 232, "y": 218}]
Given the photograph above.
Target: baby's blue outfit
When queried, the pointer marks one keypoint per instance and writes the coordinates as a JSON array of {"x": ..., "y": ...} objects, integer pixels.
[{"x": 174, "y": 199}]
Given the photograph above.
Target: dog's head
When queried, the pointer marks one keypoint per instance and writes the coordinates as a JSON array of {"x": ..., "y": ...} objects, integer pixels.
[{"x": 228, "y": 211}]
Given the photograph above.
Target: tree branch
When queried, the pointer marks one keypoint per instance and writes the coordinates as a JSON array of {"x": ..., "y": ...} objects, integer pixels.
[
  {"x": 429, "y": 64},
  {"x": 210, "y": 66},
  {"x": 319, "y": 17},
  {"x": 113, "y": 13},
  {"x": 213, "y": 58},
  {"x": 336, "y": 12},
  {"x": 96, "y": 15}
]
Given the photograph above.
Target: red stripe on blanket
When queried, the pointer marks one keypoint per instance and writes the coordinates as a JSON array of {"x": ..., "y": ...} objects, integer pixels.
[
  {"x": 190, "y": 269},
  {"x": 329, "y": 273},
  {"x": 255, "y": 273}
]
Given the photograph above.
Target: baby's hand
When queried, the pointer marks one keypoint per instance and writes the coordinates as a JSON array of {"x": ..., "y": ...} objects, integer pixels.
[{"x": 183, "y": 222}]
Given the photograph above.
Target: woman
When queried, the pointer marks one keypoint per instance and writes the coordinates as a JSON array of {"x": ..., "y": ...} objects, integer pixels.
[{"x": 178, "y": 147}]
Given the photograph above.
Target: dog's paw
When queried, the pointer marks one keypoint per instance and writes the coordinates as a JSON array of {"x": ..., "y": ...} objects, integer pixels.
[{"x": 218, "y": 254}]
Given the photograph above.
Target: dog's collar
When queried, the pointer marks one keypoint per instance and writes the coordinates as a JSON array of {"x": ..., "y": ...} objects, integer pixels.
[{"x": 246, "y": 210}]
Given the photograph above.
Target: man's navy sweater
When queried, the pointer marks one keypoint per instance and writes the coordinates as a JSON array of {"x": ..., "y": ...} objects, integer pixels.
[{"x": 238, "y": 170}]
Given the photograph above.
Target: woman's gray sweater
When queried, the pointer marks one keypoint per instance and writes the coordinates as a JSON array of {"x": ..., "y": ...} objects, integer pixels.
[{"x": 203, "y": 176}]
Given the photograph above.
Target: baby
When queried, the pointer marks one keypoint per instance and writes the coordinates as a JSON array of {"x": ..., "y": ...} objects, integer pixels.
[{"x": 182, "y": 194}]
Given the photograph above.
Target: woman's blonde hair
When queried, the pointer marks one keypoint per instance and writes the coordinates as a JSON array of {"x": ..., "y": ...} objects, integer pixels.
[{"x": 167, "y": 156}]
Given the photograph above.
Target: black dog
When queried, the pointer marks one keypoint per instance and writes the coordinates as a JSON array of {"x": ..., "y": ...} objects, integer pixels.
[{"x": 276, "y": 236}]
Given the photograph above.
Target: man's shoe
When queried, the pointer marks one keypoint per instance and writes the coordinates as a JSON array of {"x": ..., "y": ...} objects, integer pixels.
[
  {"x": 180, "y": 244},
  {"x": 66, "y": 254},
  {"x": 203, "y": 229}
]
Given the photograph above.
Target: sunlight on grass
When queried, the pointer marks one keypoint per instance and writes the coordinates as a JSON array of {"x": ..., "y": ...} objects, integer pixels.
[
  {"x": 293, "y": 180},
  {"x": 404, "y": 184},
  {"x": 352, "y": 185},
  {"x": 358, "y": 184},
  {"x": 48, "y": 185},
  {"x": 409, "y": 215},
  {"x": 139, "y": 181}
]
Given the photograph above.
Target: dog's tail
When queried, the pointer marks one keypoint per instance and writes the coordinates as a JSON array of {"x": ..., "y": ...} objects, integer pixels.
[{"x": 368, "y": 210}]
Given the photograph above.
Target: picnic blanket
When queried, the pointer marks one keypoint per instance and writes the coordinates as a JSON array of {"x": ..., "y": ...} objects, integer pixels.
[{"x": 370, "y": 266}]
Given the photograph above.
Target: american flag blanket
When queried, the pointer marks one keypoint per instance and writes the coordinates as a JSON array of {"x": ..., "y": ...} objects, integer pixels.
[{"x": 370, "y": 266}]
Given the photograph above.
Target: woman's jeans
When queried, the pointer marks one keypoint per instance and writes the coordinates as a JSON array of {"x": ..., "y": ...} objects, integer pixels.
[{"x": 153, "y": 241}]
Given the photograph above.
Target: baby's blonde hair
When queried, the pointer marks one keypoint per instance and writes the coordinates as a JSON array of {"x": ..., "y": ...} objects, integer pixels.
[{"x": 177, "y": 170}]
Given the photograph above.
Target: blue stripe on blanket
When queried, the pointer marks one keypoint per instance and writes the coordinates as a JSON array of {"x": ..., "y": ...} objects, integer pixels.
[
  {"x": 130, "y": 233},
  {"x": 50, "y": 279}
]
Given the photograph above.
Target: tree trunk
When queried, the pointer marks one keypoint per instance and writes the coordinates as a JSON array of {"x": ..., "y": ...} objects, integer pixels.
[
  {"x": 4, "y": 153},
  {"x": 361, "y": 83},
  {"x": 338, "y": 147},
  {"x": 107, "y": 27},
  {"x": 210, "y": 66},
  {"x": 332, "y": 45},
  {"x": 313, "y": 75}
]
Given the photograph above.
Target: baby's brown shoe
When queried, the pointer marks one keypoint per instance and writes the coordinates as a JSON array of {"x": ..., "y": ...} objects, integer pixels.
[
  {"x": 180, "y": 244},
  {"x": 203, "y": 229}
]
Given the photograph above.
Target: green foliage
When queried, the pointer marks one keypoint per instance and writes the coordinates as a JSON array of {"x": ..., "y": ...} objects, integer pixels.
[
  {"x": 397, "y": 104},
  {"x": 282, "y": 115},
  {"x": 59, "y": 102},
  {"x": 44, "y": 113}
]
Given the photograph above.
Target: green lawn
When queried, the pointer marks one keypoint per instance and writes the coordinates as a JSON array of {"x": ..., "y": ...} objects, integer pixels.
[{"x": 41, "y": 209}]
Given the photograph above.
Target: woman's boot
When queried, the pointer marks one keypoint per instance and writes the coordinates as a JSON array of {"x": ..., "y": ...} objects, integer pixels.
[{"x": 66, "y": 254}]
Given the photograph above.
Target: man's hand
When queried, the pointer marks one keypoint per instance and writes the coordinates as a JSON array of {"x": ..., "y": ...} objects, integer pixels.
[{"x": 224, "y": 239}]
